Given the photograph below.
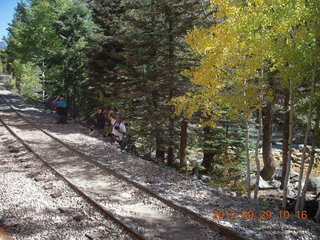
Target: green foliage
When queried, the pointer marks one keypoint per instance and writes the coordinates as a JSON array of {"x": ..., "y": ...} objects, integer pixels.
[
  {"x": 3, "y": 61},
  {"x": 136, "y": 56},
  {"x": 28, "y": 75},
  {"x": 53, "y": 36}
]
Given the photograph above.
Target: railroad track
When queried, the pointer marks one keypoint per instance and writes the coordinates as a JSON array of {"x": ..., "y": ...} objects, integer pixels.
[{"x": 187, "y": 222}]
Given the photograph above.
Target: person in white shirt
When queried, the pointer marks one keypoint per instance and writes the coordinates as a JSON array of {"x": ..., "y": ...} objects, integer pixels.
[{"x": 118, "y": 127}]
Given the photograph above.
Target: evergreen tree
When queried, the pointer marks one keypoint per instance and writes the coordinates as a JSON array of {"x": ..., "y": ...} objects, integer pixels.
[
  {"x": 157, "y": 55},
  {"x": 52, "y": 36},
  {"x": 3, "y": 61},
  {"x": 140, "y": 47},
  {"x": 104, "y": 54}
]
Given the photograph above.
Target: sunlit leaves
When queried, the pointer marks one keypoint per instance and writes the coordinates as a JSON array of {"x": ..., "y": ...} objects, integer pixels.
[{"x": 272, "y": 35}]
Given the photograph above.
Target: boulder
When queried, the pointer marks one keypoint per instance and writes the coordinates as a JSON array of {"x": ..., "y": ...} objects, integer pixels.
[
  {"x": 278, "y": 174},
  {"x": 308, "y": 148},
  {"x": 293, "y": 174},
  {"x": 277, "y": 157},
  {"x": 314, "y": 184},
  {"x": 205, "y": 178},
  {"x": 275, "y": 183},
  {"x": 262, "y": 183}
]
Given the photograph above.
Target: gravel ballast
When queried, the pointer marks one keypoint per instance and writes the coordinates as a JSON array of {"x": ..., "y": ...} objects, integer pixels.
[{"x": 29, "y": 208}]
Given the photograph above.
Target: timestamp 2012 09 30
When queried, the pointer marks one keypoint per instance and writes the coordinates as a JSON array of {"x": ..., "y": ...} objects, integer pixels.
[{"x": 257, "y": 214}]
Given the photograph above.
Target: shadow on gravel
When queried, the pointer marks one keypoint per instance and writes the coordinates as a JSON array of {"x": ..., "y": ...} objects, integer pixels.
[{"x": 25, "y": 222}]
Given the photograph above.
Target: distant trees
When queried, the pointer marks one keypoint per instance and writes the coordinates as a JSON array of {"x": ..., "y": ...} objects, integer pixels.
[
  {"x": 3, "y": 61},
  {"x": 51, "y": 37}
]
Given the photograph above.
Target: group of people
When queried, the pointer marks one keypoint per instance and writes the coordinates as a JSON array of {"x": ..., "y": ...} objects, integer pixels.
[
  {"x": 59, "y": 104},
  {"x": 116, "y": 120}
]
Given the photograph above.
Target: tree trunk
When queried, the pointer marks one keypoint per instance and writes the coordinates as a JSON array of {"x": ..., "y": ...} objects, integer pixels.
[
  {"x": 171, "y": 58},
  {"x": 183, "y": 143},
  {"x": 285, "y": 146},
  {"x": 18, "y": 84},
  {"x": 311, "y": 163},
  {"x": 160, "y": 145},
  {"x": 208, "y": 152},
  {"x": 291, "y": 111},
  {"x": 269, "y": 165},
  {"x": 170, "y": 157},
  {"x": 256, "y": 190},
  {"x": 248, "y": 160},
  {"x": 160, "y": 151},
  {"x": 299, "y": 206},
  {"x": 317, "y": 216}
]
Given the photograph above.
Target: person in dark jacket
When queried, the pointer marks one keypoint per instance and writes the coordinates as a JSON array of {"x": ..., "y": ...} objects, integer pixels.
[{"x": 100, "y": 123}]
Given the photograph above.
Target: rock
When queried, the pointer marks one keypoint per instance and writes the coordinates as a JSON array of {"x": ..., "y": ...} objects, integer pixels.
[
  {"x": 262, "y": 183},
  {"x": 231, "y": 150},
  {"x": 79, "y": 217},
  {"x": 52, "y": 211},
  {"x": 39, "y": 179},
  {"x": 310, "y": 197},
  {"x": 314, "y": 184},
  {"x": 292, "y": 192},
  {"x": 275, "y": 183},
  {"x": 33, "y": 175},
  {"x": 48, "y": 186},
  {"x": 13, "y": 149},
  {"x": 278, "y": 173},
  {"x": 65, "y": 210},
  {"x": 308, "y": 148},
  {"x": 296, "y": 165},
  {"x": 56, "y": 194},
  {"x": 294, "y": 150},
  {"x": 205, "y": 178},
  {"x": 96, "y": 236},
  {"x": 277, "y": 155},
  {"x": 293, "y": 174}
]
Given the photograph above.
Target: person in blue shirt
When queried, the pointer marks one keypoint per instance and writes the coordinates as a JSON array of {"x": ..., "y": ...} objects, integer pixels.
[{"x": 62, "y": 110}]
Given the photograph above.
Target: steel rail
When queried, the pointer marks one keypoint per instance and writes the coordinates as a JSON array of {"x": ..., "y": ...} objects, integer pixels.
[
  {"x": 92, "y": 202},
  {"x": 227, "y": 232}
]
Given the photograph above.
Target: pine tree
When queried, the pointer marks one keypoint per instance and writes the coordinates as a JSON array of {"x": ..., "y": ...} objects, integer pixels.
[{"x": 143, "y": 49}]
